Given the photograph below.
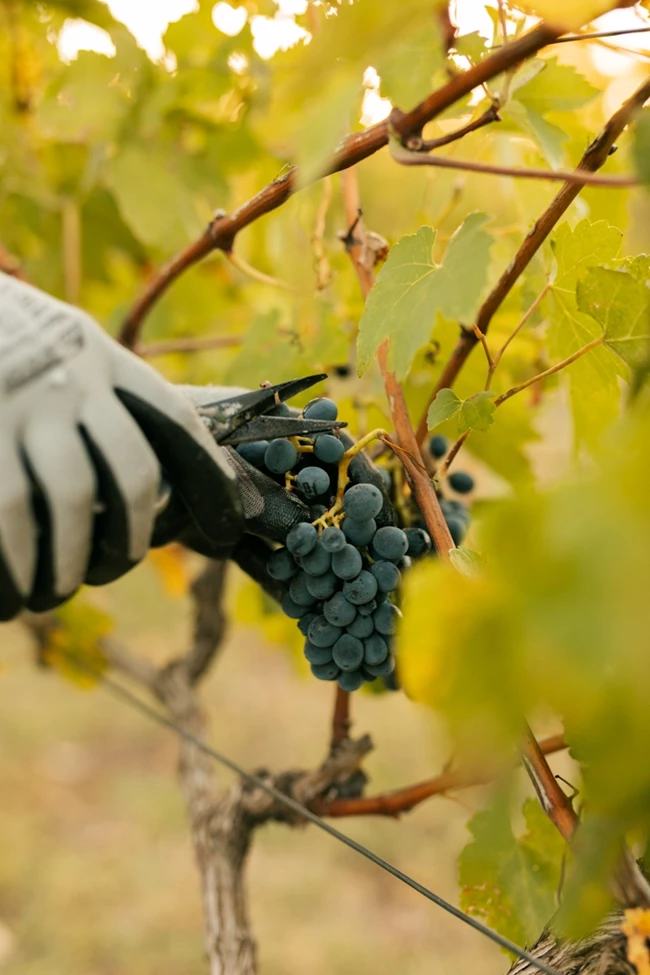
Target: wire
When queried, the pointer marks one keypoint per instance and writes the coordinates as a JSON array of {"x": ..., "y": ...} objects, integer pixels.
[
  {"x": 128, "y": 697},
  {"x": 593, "y": 36}
]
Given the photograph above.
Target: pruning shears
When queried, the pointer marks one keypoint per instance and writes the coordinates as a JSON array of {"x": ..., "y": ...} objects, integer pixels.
[{"x": 244, "y": 418}]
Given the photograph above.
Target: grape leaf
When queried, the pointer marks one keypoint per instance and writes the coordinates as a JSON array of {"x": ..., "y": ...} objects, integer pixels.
[
  {"x": 556, "y": 88},
  {"x": 155, "y": 202},
  {"x": 594, "y": 379},
  {"x": 511, "y": 882},
  {"x": 72, "y": 644},
  {"x": 411, "y": 288},
  {"x": 477, "y": 412},
  {"x": 641, "y": 148},
  {"x": 407, "y": 68},
  {"x": 571, "y": 15},
  {"x": 86, "y": 103},
  {"x": 444, "y": 407},
  {"x": 621, "y": 305},
  {"x": 466, "y": 561}
]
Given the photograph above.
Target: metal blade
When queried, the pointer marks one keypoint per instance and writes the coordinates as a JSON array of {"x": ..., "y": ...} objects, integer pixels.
[
  {"x": 274, "y": 427},
  {"x": 239, "y": 409}
]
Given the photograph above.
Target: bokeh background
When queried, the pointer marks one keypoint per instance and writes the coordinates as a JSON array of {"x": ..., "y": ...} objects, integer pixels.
[{"x": 96, "y": 871}]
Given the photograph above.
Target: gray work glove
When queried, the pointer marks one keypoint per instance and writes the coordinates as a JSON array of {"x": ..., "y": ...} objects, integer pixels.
[{"x": 87, "y": 433}]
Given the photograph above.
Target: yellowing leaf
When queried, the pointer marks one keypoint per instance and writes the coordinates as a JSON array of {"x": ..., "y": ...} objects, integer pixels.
[
  {"x": 411, "y": 288},
  {"x": 636, "y": 928},
  {"x": 569, "y": 15},
  {"x": 73, "y": 642},
  {"x": 170, "y": 563}
]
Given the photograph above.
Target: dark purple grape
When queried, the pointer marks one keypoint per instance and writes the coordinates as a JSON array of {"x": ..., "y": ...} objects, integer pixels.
[
  {"x": 348, "y": 652},
  {"x": 302, "y": 538},
  {"x": 323, "y": 634},
  {"x": 281, "y": 565},
  {"x": 361, "y": 589},
  {"x": 363, "y": 502},
  {"x": 350, "y": 680}
]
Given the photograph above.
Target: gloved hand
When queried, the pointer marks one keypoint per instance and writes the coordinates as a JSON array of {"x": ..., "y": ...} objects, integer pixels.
[{"x": 87, "y": 430}]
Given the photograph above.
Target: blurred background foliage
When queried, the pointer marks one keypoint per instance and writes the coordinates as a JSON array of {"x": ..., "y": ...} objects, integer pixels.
[{"x": 112, "y": 160}]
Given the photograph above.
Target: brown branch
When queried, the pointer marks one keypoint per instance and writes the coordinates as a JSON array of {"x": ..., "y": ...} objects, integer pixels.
[
  {"x": 417, "y": 144},
  {"x": 629, "y": 885},
  {"x": 340, "y": 718},
  {"x": 409, "y": 454},
  {"x": 408, "y": 158},
  {"x": 592, "y": 160},
  {"x": 552, "y": 799},
  {"x": 208, "y": 591},
  {"x": 221, "y": 232},
  {"x": 202, "y": 344},
  {"x": 403, "y": 800}
]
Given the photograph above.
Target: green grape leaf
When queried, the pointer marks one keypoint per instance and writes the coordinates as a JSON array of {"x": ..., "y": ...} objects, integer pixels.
[
  {"x": 641, "y": 147},
  {"x": 86, "y": 103},
  {"x": 472, "y": 46},
  {"x": 477, "y": 412},
  {"x": 325, "y": 121},
  {"x": 621, "y": 305},
  {"x": 154, "y": 201},
  {"x": 407, "y": 67},
  {"x": 511, "y": 882},
  {"x": 444, "y": 407},
  {"x": 594, "y": 379},
  {"x": 411, "y": 288},
  {"x": 557, "y": 88},
  {"x": 466, "y": 561}
]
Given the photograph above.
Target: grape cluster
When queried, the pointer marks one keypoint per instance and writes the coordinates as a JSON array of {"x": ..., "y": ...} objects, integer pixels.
[{"x": 342, "y": 570}]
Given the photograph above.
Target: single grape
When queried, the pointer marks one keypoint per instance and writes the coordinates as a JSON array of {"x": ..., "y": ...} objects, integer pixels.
[
  {"x": 390, "y": 543},
  {"x": 367, "y": 676},
  {"x": 338, "y": 610},
  {"x": 450, "y": 507},
  {"x": 361, "y": 627},
  {"x": 316, "y": 562},
  {"x": 383, "y": 669},
  {"x": 323, "y": 634},
  {"x": 361, "y": 589},
  {"x": 350, "y": 681},
  {"x": 325, "y": 671},
  {"x": 332, "y": 539},
  {"x": 317, "y": 655},
  {"x": 321, "y": 408},
  {"x": 362, "y": 502},
  {"x": 305, "y": 622},
  {"x": 419, "y": 542},
  {"x": 302, "y": 538},
  {"x": 461, "y": 482},
  {"x": 322, "y": 587},
  {"x": 316, "y": 511},
  {"x": 347, "y": 652},
  {"x": 457, "y": 529},
  {"x": 281, "y": 565},
  {"x": 438, "y": 446},
  {"x": 253, "y": 452},
  {"x": 291, "y": 609},
  {"x": 386, "y": 478},
  {"x": 405, "y": 562},
  {"x": 360, "y": 533},
  {"x": 387, "y": 575},
  {"x": 280, "y": 456},
  {"x": 347, "y": 563},
  {"x": 329, "y": 449},
  {"x": 375, "y": 650},
  {"x": 299, "y": 592},
  {"x": 282, "y": 409},
  {"x": 313, "y": 481},
  {"x": 385, "y": 617},
  {"x": 367, "y": 609}
]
